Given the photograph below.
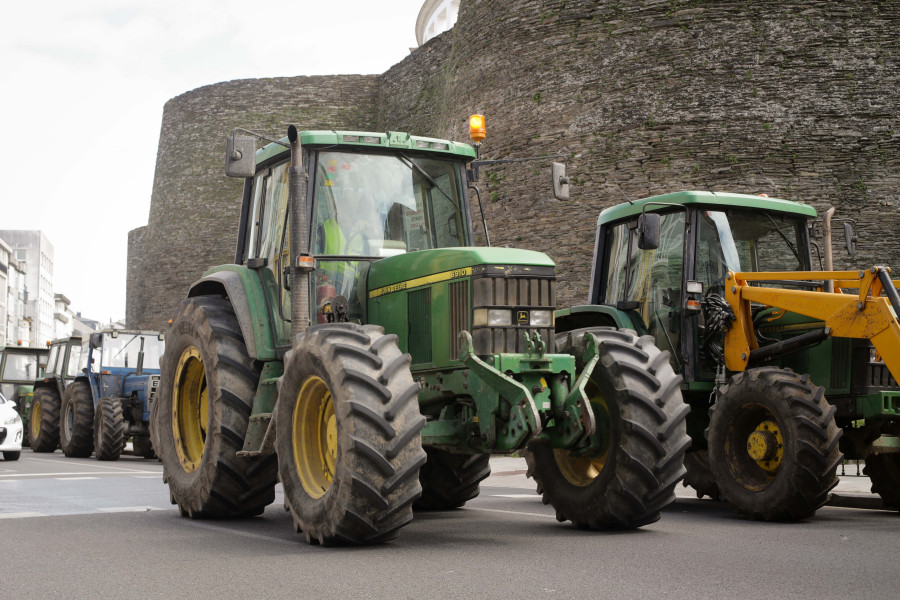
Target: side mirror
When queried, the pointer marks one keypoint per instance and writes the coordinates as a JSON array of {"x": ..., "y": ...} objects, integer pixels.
[
  {"x": 240, "y": 156},
  {"x": 648, "y": 231},
  {"x": 560, "y": 181},
  {"x": 96, "y": 340},
  {"x": 851, "y": 239}
]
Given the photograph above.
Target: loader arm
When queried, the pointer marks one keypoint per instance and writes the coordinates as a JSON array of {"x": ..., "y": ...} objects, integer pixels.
[{"x": 866, "y": 314}]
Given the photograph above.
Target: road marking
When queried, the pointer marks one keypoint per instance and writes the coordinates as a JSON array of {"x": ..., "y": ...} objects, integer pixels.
[
  {"x": 74, "y": 478},
  {"x": 535, "y": 496},
  {"x": 97, "y": 465},
  {"x": 157, "y": 476},
  {"x": 21, "y": 515},
  {"x": 124, "y": 509},
  {"x": 51, "y": 475},
  {"x": 509, "y": 512}
]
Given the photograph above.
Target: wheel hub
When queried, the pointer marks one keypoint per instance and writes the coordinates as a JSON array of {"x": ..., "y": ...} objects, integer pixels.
[
  {"x": 765, "y": 446},
  {"x": 315, "y": 437},
  {"x": 36, "y": 421},
  {"x": 190, "y": 409}
]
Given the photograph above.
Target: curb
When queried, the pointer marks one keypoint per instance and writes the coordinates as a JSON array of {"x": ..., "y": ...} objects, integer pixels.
[{"x": 845, "y": 500}]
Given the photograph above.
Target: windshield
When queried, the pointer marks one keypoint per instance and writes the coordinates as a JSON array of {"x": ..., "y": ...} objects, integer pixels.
[
  {"x": 382, "y": 205},
  {"x": 122, "y": 351},
  {"x": 20, "y": 367},
  {"x": 749, "y": 241}
]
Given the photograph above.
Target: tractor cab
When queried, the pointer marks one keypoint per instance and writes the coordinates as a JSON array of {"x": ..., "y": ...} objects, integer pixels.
[
  {"x": 369, "y": 196},
  {"x": 119, "y": 363},
  {"x": 675, "y": 290}
]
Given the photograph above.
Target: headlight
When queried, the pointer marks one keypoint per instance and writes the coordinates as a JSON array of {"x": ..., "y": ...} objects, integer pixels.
[
  {"x": 541, "y": 318},
  {"x": 12, "y": 420},
  {"x": 492, "y": 317}
]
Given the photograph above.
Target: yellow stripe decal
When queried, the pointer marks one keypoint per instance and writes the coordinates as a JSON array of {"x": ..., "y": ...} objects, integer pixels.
[{"x": 420, "y": 281}]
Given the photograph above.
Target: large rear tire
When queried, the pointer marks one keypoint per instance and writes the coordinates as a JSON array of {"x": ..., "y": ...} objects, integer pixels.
[
  {"x": 348, "y": 435},
  {"x": 773, "y": 444},
  {"x": 450, "y": 480},
  {"x": 884, "y": 472},
  {"x": 43, "y": 424},
  {"x": 641, "y": 415},
  {"x": 699, "y": 476},
  {"x": 143, "y": 446},
  {"x": 109, "y": 429},
  {"x": 201, "y": 414},
  {"x": 76, "y": 427}
]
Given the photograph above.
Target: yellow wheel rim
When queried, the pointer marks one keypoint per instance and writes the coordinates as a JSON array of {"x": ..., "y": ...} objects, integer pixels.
[
  {"x": 190, "y": 409},
  {"x": 314, "y": 437},
  {"x": 765, "y": 445},
  {"x": 36, "y": 421},
  {"x": 581, "y": 471}
]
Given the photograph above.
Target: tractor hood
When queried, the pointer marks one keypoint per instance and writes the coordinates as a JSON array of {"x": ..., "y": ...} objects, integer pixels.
[{"x": 407, "y": 271}]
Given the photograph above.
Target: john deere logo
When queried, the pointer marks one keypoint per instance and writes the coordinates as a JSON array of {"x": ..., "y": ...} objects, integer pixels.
[{"x": 522, "y": 317}]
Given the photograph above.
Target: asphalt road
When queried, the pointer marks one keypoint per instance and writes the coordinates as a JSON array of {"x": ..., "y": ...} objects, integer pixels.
[{"x": 79, "y": 528}]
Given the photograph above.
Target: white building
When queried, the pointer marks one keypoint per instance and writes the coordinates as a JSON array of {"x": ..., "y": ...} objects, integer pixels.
[
  {"x": 63, "y": 317},
  {"x": 34, "y": 253},
  {"x": 15, "y": 328},
  {"x": 435, "y": 17}
]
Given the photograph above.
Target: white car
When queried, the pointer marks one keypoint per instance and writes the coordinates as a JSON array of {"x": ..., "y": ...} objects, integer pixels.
[{"x": 10, "y": 430}]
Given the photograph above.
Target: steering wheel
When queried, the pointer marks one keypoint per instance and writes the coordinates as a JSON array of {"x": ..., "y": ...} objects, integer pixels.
[{"x": 352, "y": 237}]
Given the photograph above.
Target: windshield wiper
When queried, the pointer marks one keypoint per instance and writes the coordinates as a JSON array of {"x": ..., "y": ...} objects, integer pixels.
[
  {"x": 412, "y": 165},
  {"x": 785, "y": 238}
]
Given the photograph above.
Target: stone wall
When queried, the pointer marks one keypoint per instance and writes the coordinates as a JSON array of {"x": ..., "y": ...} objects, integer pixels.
[
  {"x": 195, "y": 209},
  {"x": 793, "y": 99}
]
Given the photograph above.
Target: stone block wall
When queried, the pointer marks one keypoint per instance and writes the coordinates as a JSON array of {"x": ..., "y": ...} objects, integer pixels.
[
  {"x": 796, "y": 100},
  {"x": 195, "y": 208}
]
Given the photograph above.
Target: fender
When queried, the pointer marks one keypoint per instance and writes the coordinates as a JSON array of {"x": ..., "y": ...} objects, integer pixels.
[
  {"x": 597, "y": 315},
  {"x": 244, "y": 288}
]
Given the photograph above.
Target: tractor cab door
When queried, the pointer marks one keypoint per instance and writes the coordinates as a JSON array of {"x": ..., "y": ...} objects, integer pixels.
[
  {"x": 739, "y": 240},
  {"x": 649, "y": 281},
  {"x": 267, "y": 243}
]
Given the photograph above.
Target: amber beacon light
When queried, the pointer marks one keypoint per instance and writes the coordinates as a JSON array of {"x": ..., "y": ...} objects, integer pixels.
[{"x": 477, "y": 131}]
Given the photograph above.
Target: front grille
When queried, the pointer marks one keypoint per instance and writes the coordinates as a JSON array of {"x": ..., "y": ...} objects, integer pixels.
[
  {"x": 520, "y": 289},
  {"x": 868, "y": 376},
  {"x": 151, "y": 394},
  {"x": 459, "y": 312},
  {"x": 419, "y": 342},
  {"x": 877, "y": 375}
]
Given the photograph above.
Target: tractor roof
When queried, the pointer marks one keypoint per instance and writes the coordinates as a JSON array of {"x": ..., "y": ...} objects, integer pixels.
[
  {"x": 713, "y": 199},
  {"x": 365, "y": 139}
]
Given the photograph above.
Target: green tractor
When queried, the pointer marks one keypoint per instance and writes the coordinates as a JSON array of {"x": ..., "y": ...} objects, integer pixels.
[
  {"x": 20, "y": 366},
  {"x": 783, "y": 365},
  {"x": 361, "y": 351}
]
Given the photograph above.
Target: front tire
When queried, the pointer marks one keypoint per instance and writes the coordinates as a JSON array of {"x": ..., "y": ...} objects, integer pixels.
[
  {"x": 12, "y": 455},
  {"x": 450, "y": 480},
  {"x": 773, "y": 444},
  {"x": 109, "y": 429},
  {"x": 76, "y": 428},
  {"x": 202, "y": 412},
  {"x": 348, "y": 435},
  {"x": 43, "y": 424},
  {"x": 640, "y": 415}
]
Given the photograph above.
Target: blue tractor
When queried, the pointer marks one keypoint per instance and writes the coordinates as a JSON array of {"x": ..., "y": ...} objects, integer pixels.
[{"x": 109, "y": 401}]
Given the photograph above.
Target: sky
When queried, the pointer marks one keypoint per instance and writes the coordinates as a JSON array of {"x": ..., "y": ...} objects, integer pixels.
[{"x": 84, "y": 83}]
